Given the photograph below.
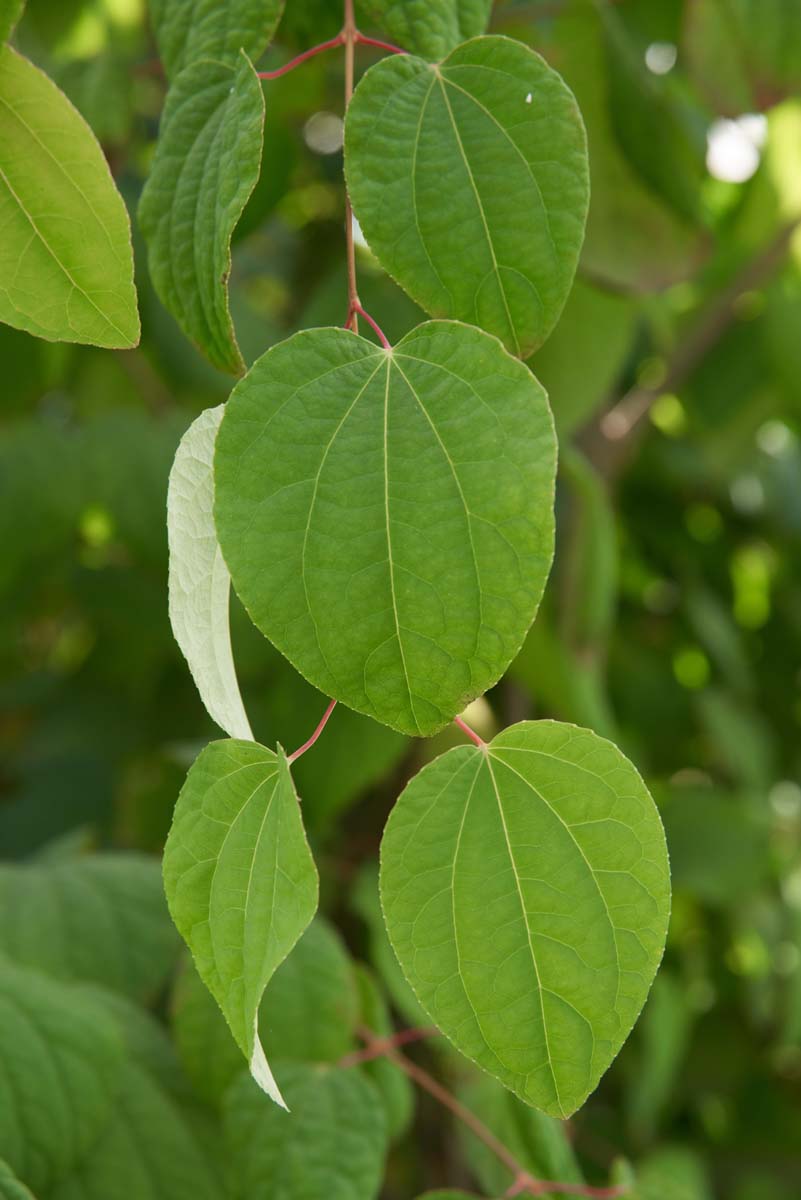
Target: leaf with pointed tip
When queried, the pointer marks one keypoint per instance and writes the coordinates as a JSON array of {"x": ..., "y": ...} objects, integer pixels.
[
  {"x": 199, "y": 582},
  {"x": 332, "y": 1143},
  {"x": 61, "y": 1058},
  {"x": 387, "y": 517},
  {"x": 66, "y": 263},
  {"x": 99, "y": 919},
  {"x": 470, "y": 182},
  {"x": 10, "y": 13},
  {"x": 207, "y": 163},
  {"x": 188, "y": 30},
  {"x": 240, "y": 880},
  {"x": 430, "y": 28},
  {"x": 526, "y": 893}
]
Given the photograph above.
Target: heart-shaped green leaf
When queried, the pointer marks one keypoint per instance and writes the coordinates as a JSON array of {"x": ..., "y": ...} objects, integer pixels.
[
  {"x": 526, "y": 892},
  {"x": 206, "y": 165},
  {"x": 387, "y": 516},
  {"x": 66, "y": 264},
  {"x": 430, "y": 28},
  {"x": 200, "y": 585},
  {"x": 470, "y": 181},
  {"x": 240, "y": 880}
]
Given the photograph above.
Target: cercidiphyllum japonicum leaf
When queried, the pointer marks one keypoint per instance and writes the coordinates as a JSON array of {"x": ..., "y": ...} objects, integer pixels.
[
  {"x": 430, "y": 28},
  {"x": 61, "y": 1057},
  {"x": 206, "y": 165},
  {"x": 10, "y": 13},
  {"x": 240, "y": 880},
  {"x": 199, "y": 583},
  {"x": 66, "y": 263},
  {"x": 189, "y": 30},
  {"x": 332, "y": 1143},
  {"x": 526, "y": 893},
  {"x": 471, "y": 184},
  {"x": 387, "y": 516}
]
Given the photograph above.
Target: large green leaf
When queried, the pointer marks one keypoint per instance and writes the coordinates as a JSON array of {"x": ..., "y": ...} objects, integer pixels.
[
  {"x": 332, "y": 1143},
  {"x": 200, "y": 585},
  {"x": 387, "y": 516},
  {"x": 147, "y": 1150},
  {"x": 470, "y": 181},
  {"x": 430, "y": 28},
  {"x": 61, "y": 1059},
  {"x": 100, "y": 919},
  {"x": 206, "y": 165},
  {"x": 526, "y": 892},
  {"x": 743, "y": 54},
  {"x": 189, "y": 30},
  {"x": 66, "y": 264},
  {"x": 240, "y": 880},
  {"x": 10, "y": 13},
  {"x": 309, "y": 1013}
]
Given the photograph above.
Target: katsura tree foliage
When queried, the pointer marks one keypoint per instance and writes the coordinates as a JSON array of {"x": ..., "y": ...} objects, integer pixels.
[{"x": 365, "y": 490}]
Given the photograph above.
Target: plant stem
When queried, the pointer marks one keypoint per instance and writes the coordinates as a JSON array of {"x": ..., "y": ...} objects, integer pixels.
[
  {"x": 524, "y": 1183},
  {"x": 471, "y": 733},
  {"x": 380, "y": 1047},
  {"x": 339, "y": 40},
  {"x": 350, "y": 34},
  {"x": 357, "y": 310},
  {"x": 308, "y": 744},
  {"x": 362, "y": 40}
]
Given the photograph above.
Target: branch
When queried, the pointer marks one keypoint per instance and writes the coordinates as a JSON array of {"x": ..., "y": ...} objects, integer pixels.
[{"x": 523, "y": 1183}]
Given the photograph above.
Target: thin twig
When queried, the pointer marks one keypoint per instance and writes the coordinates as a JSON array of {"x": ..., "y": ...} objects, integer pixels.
[
  {"x": 357, "y": 310},
  {"x": 307, "y": 745},
  {"x": 471, "y": 733},
  {"x": 339, "y": 40},
  {"x": 363, "y": 40},
  {"x": 524, "y": 1182},
  {"x": 380, "y": 1047},
  {"x": 350, "y": 33}
]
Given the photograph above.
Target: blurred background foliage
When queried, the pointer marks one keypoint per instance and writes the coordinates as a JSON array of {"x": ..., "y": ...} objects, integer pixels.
[{"x": 672, "y": 620}]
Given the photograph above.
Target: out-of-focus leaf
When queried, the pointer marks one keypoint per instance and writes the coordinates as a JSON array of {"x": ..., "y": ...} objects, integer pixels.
[
  {"x": 394, "y": 1086},
  {"x": 718, "y": 846},
  {"x": 366, "y": 904},
  {"x": 589, "y": 568},
  {"x": 662, "y": 1040},
  {"x": 743, "y": 742},
  {"x": 66, "y": 264},
  {"x": 99, "y": 919},
  {"x": 332, "y": 1141},
  {"x": 10, "y": 1186},
  {"x": 583, "y": 358},
  {"x": 672, "y": 1173},
  {"x": 190, "y": 30},
  {"x": 10, "y": 13},
  {"x": 206, "y": 166},
  {"x": 430, "y": 28},
  {"x": 62, "y": 1059}
]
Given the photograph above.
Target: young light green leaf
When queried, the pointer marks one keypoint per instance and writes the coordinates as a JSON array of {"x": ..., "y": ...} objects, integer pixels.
[
  {"x": 387, "y": 517},
  {"x": 66, "y": 264},
  {"x": 240, "y": 880},
  {"x": 332, "y": 1143},
  {"x": 526, "y": 892},
  {"x": 206, "y": 165},
  {"x": 430, "y": 28},
  {"x": 199, "y": 582},
  {"x": 61, "y": 1060},
  {"x": 100, "y": 919},
  {"x": 189, "y": 30},
  {"x": 426, "y": 148},
  {"x": 10, "y": 13}
]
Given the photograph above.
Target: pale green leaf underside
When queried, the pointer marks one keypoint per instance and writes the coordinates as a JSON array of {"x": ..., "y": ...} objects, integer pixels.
[
  {"x": 332, "y": 1143},
  {"x": 61, "y": 1059},
  {"x": 189, "y": 30},
  {"x": 470, "y": 182},
  {"x": 526, "y": 893},
  {"x": 387, "y": 518},
  {"x": 10, "y": 13},
  {"x": 199, "y": 583},
  {"x": 430, "y": 28},
  {"x": 207, "y": 163},
  {"x": 66, "y": 264},
  {"x": 99, "y": 919},
  {"x": 240, "y": 880}
]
